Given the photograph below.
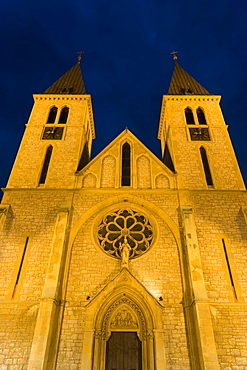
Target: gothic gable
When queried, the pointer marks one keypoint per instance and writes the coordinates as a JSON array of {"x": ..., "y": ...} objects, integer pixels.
[{"x": 141, "y": 168}]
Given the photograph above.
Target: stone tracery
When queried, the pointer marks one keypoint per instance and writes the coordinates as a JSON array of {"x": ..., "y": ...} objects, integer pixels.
[{"x": 125, "y": 225}]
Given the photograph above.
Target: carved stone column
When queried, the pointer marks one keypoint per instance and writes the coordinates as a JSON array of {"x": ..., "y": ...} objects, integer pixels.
[
  {"x": 200, "y": 329},
  {"x": 45, "y": 330}
]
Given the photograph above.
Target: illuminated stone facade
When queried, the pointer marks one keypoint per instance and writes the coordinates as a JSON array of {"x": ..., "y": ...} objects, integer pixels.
[{"x": 65, "y": 287}]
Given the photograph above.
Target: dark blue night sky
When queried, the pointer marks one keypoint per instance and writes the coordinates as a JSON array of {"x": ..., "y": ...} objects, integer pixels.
[{"x": 127, "y": 64}]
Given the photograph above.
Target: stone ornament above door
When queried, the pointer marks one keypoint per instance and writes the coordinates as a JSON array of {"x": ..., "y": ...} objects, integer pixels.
[{"x": 124, "y": 320}]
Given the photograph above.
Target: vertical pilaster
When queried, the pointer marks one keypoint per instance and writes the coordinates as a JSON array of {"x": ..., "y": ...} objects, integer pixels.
[
  {"x": 160, "y": 358},
  {"x": 150, "y": 349},
  {"x": 201, "y": 336},
  {"x": 91, "y": 336},
  {"x": 45, "y": 330},
  {"x": 193, "y": 255}
]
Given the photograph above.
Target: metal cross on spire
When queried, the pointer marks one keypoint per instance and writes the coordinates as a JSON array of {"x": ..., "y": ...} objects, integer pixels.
[
  {"x": 174, "y": 55},
  {"x": 79, "y": 56}
]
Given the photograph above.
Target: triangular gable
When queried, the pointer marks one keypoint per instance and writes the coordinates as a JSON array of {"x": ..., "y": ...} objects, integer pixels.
[
  {"x": 125, "y": 282},
  {"x": 104, "y": 171}
]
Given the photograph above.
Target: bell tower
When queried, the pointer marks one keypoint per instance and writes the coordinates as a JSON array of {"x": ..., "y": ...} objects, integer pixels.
[
  {"x": 58, "y": 137},
  {"x": 194, "y": 137}
]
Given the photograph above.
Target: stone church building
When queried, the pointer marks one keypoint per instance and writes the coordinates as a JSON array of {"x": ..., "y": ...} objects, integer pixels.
[{"x": 124, "y": 261}]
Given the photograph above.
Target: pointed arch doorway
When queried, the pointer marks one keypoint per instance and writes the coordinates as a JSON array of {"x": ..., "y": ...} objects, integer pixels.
[
  {"x": 123, "y": 351},
  {"x": 124, "y": 336},
  {"x": 123, "y": 320}
]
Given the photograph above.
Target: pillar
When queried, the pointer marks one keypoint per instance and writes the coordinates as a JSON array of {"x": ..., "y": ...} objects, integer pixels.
[
  {"x": 45, "y": 330},
  {"x": 200, "y": 328}
]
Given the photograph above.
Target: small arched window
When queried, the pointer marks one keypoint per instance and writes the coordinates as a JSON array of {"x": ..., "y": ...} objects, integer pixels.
[
  {"x": 206, "y": 166},
  {"x": 46, "y": 164},
  {"x": 201, "y": 116},
  {"x": 64, "y": 115},
  {"x": 189, "y": 116},
  {"x": 52, "y": 115},
  {"x": 126, "y": 165}
]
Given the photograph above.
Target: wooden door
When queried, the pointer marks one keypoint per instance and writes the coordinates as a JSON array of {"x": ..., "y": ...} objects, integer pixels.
[{"x": 123, "y": 351}]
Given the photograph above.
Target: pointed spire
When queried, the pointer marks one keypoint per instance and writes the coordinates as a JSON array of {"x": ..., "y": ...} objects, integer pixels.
[
  {"x": 182, "y": 83},
  {"x": 70, "y": 83}
]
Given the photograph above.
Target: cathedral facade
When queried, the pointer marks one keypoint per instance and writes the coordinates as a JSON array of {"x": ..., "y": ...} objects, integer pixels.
[{"x": 124, "y": 261}]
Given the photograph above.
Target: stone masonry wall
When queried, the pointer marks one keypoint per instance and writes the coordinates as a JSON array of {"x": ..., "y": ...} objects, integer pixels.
[
  {"x": 17, "y": 323},
  {"x": 230, "y": 328},
  {"x": 216, "y": 215},
  {"x": 31, "y": 214}
]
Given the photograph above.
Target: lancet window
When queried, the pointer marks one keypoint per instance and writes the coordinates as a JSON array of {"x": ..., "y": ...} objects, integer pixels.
[
  {"x": 126, "y": 165},
  {"x": 189, "y": 116},
  {"x": 206, "y": 167},
  {"x": 201, "y": 116},
  {"x": 46, "y": 164},
  {"x": 229, "y": 268},
  {"x": 52, "y": 115},
  {"x": 64, "y": 115}
]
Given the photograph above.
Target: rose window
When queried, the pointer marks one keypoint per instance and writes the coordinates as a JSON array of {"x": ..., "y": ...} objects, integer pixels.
[{"x": 129, "y": 224}]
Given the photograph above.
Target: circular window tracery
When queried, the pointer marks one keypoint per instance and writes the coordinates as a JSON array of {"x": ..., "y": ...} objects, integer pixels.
[{"x": 121, "y": 224}]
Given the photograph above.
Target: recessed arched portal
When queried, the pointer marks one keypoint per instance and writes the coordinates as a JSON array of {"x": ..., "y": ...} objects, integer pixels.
[
  {"x": 125, "y": 315},
  {"x": 124, "y": 334}
]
